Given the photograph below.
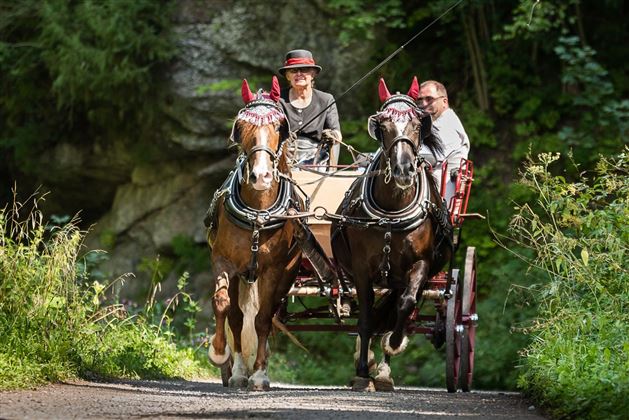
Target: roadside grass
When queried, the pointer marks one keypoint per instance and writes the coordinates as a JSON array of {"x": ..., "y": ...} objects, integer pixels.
[
  {"x": 577, "y": 364},
  {"x": 55, "y": 324}
]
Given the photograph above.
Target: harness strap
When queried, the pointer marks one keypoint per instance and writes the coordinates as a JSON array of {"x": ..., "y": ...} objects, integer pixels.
[
  {"x": 253, "y": 262},
  {"x": 385, "y": 265}
]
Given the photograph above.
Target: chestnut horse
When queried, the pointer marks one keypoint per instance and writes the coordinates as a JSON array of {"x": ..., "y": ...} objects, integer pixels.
[
  {"x": 254, "y": 256},
  {"x": 394, "y": 233}
]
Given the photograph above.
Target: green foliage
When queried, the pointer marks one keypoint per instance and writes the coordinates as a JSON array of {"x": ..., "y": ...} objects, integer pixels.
[
  {"x": 478, "y": 125},
  {"x": 578, "y": 361},
  {"x": 356, "y": 136},
  {"x": 536, "y": 19},
  {"x": 72, "y": 66},
  {"x": 360, "y": 19},
  {"x": 52, "y": 323},
  {"x": 329, "y": 360},
  {"x": 189, "y": 256},
  {"x": 102, "y": 47}
]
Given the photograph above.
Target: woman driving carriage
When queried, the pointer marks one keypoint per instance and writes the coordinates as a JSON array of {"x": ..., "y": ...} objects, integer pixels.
[{"x": 311, "y": 113}]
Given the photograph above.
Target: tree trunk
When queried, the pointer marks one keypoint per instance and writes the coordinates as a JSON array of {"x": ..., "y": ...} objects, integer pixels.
[
  {"x": 580, "y": 28},
  {"x": 478, "y": 68}
]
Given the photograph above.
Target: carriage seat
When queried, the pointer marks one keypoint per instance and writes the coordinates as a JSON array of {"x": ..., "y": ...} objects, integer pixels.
[{"x": 454, "y": 183}]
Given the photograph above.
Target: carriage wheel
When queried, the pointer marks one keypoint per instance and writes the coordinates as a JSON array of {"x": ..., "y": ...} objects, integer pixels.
[
  {"x": 453, "y": 339},
  {"x": 469, "y": 312},
  {"x": 226, "y": 371}
]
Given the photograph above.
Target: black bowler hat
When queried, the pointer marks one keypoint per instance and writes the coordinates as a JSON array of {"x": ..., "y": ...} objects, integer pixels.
[{"x": 299, "y": 59}]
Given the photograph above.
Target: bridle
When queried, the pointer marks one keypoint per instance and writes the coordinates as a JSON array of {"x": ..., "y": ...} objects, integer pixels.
[
  {"x": 394, "y": 113},
  {"x": 251, "y": 113}
]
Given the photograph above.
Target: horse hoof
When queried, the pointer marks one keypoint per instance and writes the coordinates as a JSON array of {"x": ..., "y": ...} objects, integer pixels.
[
  {"x": 384, "y": 384},
  {"x": 216, "y": 359},
  {"x": 361, "y": 384},
  {"x": 259, "y": 386},
  {"x": 238, "y": 382},
  {"x": 386, "y": 345},
  {"x": 259, "y": 382}
]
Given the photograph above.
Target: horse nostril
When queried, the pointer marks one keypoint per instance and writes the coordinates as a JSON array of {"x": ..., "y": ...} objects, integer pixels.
[
  {"x": 267, "y": 177},
  {"x": 409, "y": 168},
  {"x": 403, "y": 169}
]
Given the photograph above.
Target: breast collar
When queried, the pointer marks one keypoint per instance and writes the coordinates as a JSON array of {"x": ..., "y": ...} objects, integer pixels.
[
  {"x": 407, "y": 218},
  {"x": 246, "y": 217}
]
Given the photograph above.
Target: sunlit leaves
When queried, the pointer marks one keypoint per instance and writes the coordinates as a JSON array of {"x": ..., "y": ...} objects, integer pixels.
[{"x": 579, "y": 234}]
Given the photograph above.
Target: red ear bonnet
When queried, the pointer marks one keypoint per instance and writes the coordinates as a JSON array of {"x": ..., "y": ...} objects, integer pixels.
[
  {"x": 413, "y": 92},
  {"x": 275, "y": 90},
  {"x": 383, "y": 92},
  {"x": 247, "y": 95}
]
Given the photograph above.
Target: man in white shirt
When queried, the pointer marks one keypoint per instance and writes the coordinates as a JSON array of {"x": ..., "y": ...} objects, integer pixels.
[{"x": 433, "y": 98}]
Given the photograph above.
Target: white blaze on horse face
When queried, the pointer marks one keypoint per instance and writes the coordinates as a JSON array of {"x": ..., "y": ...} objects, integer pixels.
[
  {"x": 399, "y": 131},
  {"x": 262, "y": 170}
]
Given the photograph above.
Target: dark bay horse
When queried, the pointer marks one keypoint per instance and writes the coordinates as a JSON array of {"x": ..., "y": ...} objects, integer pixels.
[
  {"x": 254, "y": 256},
  {"x": 395, "y": 231}
]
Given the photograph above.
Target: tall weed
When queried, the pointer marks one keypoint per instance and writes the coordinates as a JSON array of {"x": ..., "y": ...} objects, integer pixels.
[
  {"x": 53, "y": 325},
  {"x": 578, "y": 361}
]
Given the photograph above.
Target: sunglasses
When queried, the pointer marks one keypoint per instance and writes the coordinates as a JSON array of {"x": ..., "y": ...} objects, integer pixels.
[
  {"x": 304, "y": 70},
  {"x": 428, "y": 99}
]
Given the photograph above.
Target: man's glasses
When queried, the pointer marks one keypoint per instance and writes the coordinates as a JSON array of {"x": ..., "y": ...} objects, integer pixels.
[{"x": 428, "y": 99}]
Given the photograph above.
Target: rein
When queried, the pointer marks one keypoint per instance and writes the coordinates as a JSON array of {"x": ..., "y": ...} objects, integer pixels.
[{"x": 382, "y": 63}]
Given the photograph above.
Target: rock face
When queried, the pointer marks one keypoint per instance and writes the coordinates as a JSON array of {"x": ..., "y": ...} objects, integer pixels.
[{"x": 219, "y": 44}]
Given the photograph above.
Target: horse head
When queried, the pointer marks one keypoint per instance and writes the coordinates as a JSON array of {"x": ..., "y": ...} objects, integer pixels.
[
  {"x": 400, "y": 126},
  {"x": 260, "y": 130}
]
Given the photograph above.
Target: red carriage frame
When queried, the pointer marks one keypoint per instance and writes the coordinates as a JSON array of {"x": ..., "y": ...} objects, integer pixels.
[{"x": 454, "y": 320}]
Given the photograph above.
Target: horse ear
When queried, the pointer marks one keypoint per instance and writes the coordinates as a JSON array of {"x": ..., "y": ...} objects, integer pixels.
[
  {"x": 383, "y": 92},
  {"x": 413, "y": 92},
  {"x": 247, "y": 95},
  {"x": 275, "y": 90}
]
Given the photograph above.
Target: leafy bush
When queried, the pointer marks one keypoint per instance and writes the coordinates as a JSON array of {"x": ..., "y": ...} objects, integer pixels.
[
  {"x": 52, "y": 323},
  {"x": 78, "y": 71},
  {"x": 578, "y": 362}
]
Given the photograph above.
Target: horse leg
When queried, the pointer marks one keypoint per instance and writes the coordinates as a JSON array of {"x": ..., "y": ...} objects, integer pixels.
[
  {"x": 259, "y": 381},
  {"x": 383, "y": 380},
  {"x": 395, "y": 342},
  {"x": 219, "y": 352},
  {"x": 371, "y": 358},
  {"x": 271, "y": 293},
  {"x": 362, "y": 381},
  {"x": 235, "y": 319}
]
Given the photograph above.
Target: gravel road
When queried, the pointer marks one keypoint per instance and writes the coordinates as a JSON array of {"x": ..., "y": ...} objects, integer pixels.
[{"x": 209, "y": 400}]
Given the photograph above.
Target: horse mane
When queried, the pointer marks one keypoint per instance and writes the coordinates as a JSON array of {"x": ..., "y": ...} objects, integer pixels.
[{"x": 431, "y": 139}]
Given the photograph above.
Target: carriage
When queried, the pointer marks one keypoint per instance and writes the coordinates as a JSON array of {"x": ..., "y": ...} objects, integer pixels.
[
  {"x": 453, "y": 319},
  {"x": 273, "y": 218}
]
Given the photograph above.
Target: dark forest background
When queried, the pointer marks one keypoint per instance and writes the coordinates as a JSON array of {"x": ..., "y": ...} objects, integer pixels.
[{"x": 525, "y": 77}]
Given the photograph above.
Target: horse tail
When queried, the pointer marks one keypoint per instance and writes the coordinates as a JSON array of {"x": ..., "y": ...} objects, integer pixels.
[
  {"x": 249, "y": 304},
  {"x": 385, "y": 313}
]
